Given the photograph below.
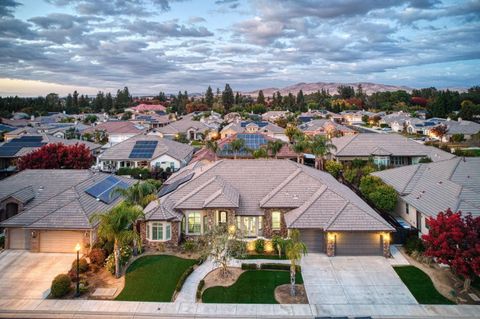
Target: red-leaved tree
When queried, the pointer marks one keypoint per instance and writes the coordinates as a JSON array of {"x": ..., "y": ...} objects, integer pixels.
[
  {"x": 454, "y": 240},
  {"x": 55, "y": 156}
]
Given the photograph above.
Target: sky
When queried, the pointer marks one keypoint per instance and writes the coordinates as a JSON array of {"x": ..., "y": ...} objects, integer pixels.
[{"x": 170, "y": 45}]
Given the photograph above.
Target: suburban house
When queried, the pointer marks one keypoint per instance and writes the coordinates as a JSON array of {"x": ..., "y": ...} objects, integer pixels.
[
  {"x": 263, "y": 198},
  {"x": 49, "y": 210},
  {"x": 466, "y": 128},
  {"x": 385, "y": 149},
  {"x": 253, "y": 142},
  {"x": 426, "y": 189},
  {"x": 146, "y": 108},
  {"x": 117, "y": 131},
  {"x": 264, "y": 127},
  {"x": 352, "y": 117},
  {"x": 422, "y": 127},
  {"x": 325, "y": 127},
  {"x": 152, "y": 120},
  {"x": 272, "y": 116},
  {"x": 26, "y": 143},
  {"x": 194, "y": 130},
  {"x": 396, "y": 121},
  {"x": 317, "y": 114},
  {"x": 146, "y": 151}
]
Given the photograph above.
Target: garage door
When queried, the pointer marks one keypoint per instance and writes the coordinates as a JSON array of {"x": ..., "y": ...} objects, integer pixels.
[
  {"x": 18, "y": 238},
  {"x": 56, "y": 241},
  {"x": 314, "y": 239},
  {"x": 358, "y": 244}
]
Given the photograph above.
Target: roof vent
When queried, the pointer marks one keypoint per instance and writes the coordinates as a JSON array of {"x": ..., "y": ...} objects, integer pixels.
[
  {"x": 440, "y": 182},
  {"x": 40, "y": 188}
]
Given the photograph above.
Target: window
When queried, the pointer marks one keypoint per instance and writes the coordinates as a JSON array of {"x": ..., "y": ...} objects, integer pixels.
[
  {"x": 276, "y": 220},
  {"x": 222, "y": 218},
  {"x": 158, "y": 231},
  {"x": 407, "y": 208},
  {"x": 194, "y": 223}
]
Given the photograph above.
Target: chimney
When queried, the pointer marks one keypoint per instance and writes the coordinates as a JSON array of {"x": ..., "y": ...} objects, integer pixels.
[{"x": 459, "y": 119}]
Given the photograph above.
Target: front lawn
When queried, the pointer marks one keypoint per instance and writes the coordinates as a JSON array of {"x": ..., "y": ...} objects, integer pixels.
[
  {"x": 153, "y": 278},
  {"x": 253, "y": 286},
  {"x": 421, "y": 286}
]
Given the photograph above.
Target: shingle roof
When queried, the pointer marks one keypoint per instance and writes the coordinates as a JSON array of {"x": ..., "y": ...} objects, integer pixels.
[
  {"x": 365, "y": 144},
  {"x": 60, "y": 199},
  {"x": 434, "y": 187},
  {"x": 266, "y": 183},
  {"x": 122, "y": 150}
]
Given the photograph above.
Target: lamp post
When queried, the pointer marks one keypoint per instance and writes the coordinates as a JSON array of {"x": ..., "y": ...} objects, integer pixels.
[{"x": 77, "y": 248}]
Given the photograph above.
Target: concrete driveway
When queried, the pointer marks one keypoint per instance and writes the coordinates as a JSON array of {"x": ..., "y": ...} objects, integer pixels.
[
  {"x": 365, "y": 280},
  {"x": 25, "y": 275}
]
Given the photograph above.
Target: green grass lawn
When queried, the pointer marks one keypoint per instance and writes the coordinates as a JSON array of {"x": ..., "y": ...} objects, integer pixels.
[
  {"x": 253, "y": 286},
  {"x": 153, "y": 278},
  {"x": 421, "y": 286}
]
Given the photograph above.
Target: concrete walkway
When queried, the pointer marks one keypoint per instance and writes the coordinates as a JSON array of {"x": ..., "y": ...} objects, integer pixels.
[
  {"x": 397, "y": 257},
  {"x": 124, "y": 309}
]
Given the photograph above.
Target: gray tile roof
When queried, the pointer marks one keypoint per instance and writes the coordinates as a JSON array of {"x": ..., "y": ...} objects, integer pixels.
[
  {"x": 434, "y": 187},
  {"x": 462, "y": 127},
  {"x": 60, "y": 200},
  {"x": 182, "y": 126},
  {"x": 319, "y": 124},
  {"x": 253, "y": 185},
  {"x": 122, "y": 150},
  {"x": 365, "y": 144}
]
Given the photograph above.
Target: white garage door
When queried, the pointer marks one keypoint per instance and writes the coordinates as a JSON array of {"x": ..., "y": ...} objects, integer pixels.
[
  {"x": 18, "y": 238},
  {"x": 60, "y": 241}
]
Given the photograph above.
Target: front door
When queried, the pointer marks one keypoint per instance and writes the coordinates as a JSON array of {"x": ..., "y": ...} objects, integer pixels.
[{"x": 249, "y": 226}]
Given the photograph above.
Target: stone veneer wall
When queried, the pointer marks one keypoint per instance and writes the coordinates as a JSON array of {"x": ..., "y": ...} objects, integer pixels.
[
  {"x": 268, "y": 232},
  {"x": 386, "y": 248},
  {"x": 174, "y": 241}
]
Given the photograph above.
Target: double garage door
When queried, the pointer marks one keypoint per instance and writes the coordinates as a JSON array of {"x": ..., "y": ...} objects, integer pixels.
[
  {"x": 347, "y": 243},
  {"x": 50, "y": 241}
]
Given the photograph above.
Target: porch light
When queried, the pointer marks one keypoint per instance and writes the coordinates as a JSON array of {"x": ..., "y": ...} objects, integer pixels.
[
  {"x": 251, "y": 245},
  {"x": 232, "y": 229},
  {"x": 268, "y": 246},
  {"x": 386, "y": 237},
  {"x": 77, "y": 247},
  {"x": 331, "y": 237}
]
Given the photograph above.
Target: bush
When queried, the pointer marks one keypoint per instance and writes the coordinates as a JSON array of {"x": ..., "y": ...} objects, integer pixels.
[
  {"x": 279, "y": 267},
  {"x": 182, "y": 278},
  {"x": 189, "y": 245},
  {"x": 425, "y": 160},
  {"x": 358, "y": 163},
  {"x": 82, "y": 265},
  {"x": 259, "y": 246},
  {"x": 414, "y": 244},
  {"x": 383, "y": 196},
  {"x": 110, "y": 263},
  {"x": 278, "y": 244},
  {"x": 201, "y": 284},
  {"x": 458, "y": 138},
  {"x": 238, "y": 248},
  {"x": 60, "y": 286},
  {"x": 369, "y": 183},
  {"x": 97, "y": 256},
  {"x": 125, "y": 253},
  {"x": 249, "y": 266},
  {"x": 334, "y": 168},
  {"x": 135, "y": 172}
]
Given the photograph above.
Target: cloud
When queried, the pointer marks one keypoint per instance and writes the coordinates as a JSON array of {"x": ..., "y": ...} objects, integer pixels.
[{"x": 7, "y": 7}]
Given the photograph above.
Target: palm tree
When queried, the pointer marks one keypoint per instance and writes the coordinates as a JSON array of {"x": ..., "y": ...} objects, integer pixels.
[
  {"x": 236, "y": 146},
  {"x": 140, "y": 194},
  {"x": 116, "y": 225},
  {"x": 321, "y": 146},
  {"x": 294, "y": 251},
  {"x": 274, "y": 147},
  {"x": 260, "y": 153},
  {"x": 300, "y": 146},
  {"x": 291, "y": 131},
  {"x": 212, "y": 146}
]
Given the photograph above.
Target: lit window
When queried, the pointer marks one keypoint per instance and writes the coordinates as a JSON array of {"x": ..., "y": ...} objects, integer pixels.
[
  {"x": 222, "y": 218},
  {"x": 276, "y": 220},
  {"x": 194, "y": 223}
]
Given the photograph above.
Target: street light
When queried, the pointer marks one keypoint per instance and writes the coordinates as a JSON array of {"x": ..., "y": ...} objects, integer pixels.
[{"x": 77, "y": 248}]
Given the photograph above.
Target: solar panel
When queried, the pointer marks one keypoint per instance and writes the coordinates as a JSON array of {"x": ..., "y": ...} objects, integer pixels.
[
  {"x": 105, "y": 189},
  {"x": 143, "y": 149},
  {"x": 12, "y": 147},
  {"x": 168, "y": 188},
  {"x": 258, "y": 123}
]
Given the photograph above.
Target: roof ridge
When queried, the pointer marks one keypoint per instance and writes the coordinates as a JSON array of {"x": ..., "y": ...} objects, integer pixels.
[
  {"x": 335, "y": 216},
  {"x": 413, "y": 175},
  {"x": 12, "y": 193},
  {"x": 194, "y": 191},
  {"x": 310, "y": 201},
  {"x": 274, "y": 191},
  {"x": 212, "y": 197}
]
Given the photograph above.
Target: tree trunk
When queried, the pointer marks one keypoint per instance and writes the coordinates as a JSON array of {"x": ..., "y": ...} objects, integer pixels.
[
  {"x": 116, "y": 251},
  {"x": 292, "y": 280},
  {"x": 466, "y": 284}
]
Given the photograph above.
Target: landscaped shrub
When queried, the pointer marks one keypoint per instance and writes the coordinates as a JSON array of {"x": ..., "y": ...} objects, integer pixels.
[
  {"x": 110, "y": 264},
  {"x": 201, "y": 284},
  {"x": 249, "y": 266},
  {"x": 383, "y": 196},
  {"x": 135, "y": 172},
  {"x": 414, "y": 243},
  {"x": 97, "y": 256},
  {"x": 278, "y": 267},
  {"x": 260, "y": 246},
  {"x": 125, "y": 253},
  {"x": 184, "y": 277},
  {"x": 82, "y": 265},
  {"x": 189, "y": 246},
  {"x": 60, "y": 286},
  {"x": 238, "y": 248},
  {"x": 333, "y": 167}
]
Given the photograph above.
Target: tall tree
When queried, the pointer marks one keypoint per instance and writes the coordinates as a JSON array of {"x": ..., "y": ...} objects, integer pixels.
[
  {"x": 260, "y": 98},
  {"x": 236, "y": 146},
  {"x": 75, "y": 99},
  {"x": 274, "y": 147},
  {"x": 294, "y": 251},
  {"x": 227, "y": 98},
  {"x": 209, "y": 97},
  {"x": 321, "y": 146},
  {"x": 212, "y": 146},
  {"x": 69, "y": 104},
  {"x": 301, "y": 106},
  {"x": 346, "y": 92}
]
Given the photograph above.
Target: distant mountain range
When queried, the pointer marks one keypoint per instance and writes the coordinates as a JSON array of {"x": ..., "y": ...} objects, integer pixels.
[{"x": 308, "y": 88}]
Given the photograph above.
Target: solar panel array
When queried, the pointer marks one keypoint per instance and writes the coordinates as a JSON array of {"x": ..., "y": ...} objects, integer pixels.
[
  {"x": 11, "y": 148},
  {"x": 105, "y": 189},
  {"x": 168, "y": 188},
  {"x": 258, "y": 123},
  {"x": 143, "y": 149},
  {"x": 252, "y": 142}
]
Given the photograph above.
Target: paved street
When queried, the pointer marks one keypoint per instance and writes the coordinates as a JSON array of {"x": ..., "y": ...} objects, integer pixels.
[
  {"x": 367, "y": 280},
  {"x": 25, "y": 275}
]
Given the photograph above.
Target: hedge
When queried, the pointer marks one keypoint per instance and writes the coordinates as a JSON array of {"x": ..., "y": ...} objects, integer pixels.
[
  {"x": 201, "y": 284},
  {"x": 249, "y": 266},
  {"x": 279, "y": 267}
]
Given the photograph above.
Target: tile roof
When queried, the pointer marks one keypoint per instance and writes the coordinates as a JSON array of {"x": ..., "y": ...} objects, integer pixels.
[
  {"x": 253, "y": 185},
  {"x": 434, "y": 187},
  {"x": 365, "y": 144},
  {"x": 116, "y": 127},
  {"x": 122, "y": 150},
  {"x": 462, "y": 127},
  {"x": 263, "y": 126},
  {"x": 182, "y": 126},
  {"x": 323, "y": 124},
  {"x": 148, "y": 107},
  {"x": 60, "y": 199}
]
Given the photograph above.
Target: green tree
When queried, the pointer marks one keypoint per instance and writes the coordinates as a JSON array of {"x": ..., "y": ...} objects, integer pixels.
[
  {"x": 291, "y": 131},
  {"x": 69, "y": 104},
  {"x": 260, "y": 98},
  {"x": 300, "y": 102},
  {"x": 116, "y": 226},
  {"x": 333, "y": 167},
  {"x": 300, "y": 146},
  {"x": 139, "y": 194},
  {"x": 227, "y": 98},
  {"x": 346, "y": 91},
  {"x": 274, "y": 147},
  {"x": 236, "y": 146},
  {"x": 321, "y": 146},
  {"x": 295, "y": 249},
  {"x": 212, "y": 146},
  {"x": 260, "y": 153},
  {"x": 209, "y": 97}
]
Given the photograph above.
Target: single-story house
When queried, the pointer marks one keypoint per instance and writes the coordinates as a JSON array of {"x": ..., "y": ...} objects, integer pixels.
[
  {"x": 263, "y": 198},
  {"x": 272, "y": 116},
  {"x": 49, "y": 210},
  {"x": 385, "y": 149},
  {"x": 467, "y": 128},
  {"x": 426, "y": 189},
  {"x": 152, "y": 120},
  {"x": 194, "y": 130},
  {"x": 325, "y": 127},
  {"x": 148, "y": 151},
  {"x": 117, "y": 131},
  {"x": 422, "y": 127},
  {"x": 264, "y": 127},
  {"x": 146, "y": 108}
]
